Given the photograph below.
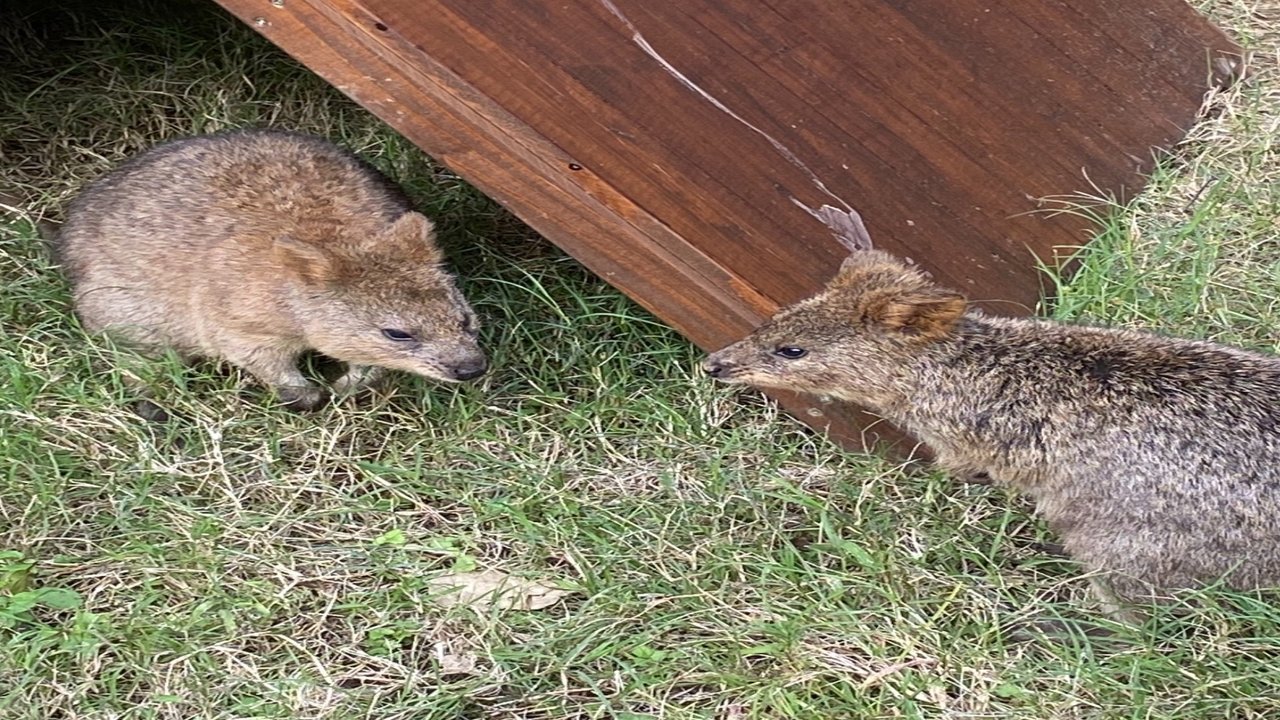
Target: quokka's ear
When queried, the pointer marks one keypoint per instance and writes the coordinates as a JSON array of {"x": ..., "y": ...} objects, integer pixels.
[
  {"x": 314, "y": 265},
  {"x": 412, "y": 236},
  {"x": 927, "y": 312}
]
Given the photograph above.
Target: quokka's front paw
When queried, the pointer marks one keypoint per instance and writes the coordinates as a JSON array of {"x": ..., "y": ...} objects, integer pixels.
[
  {"x": 358, "y": 380},
  {"x": 303, "y": 399},
  {"x": 150, "y": 411}
]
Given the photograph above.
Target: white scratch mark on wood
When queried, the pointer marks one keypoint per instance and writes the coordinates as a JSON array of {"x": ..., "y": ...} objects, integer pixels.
[{"x": 839, "y": 221}]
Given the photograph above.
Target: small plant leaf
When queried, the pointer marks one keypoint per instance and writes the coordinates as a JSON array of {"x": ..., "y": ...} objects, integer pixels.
[
  {"x": 59, "y": 598},
  {"x": 394, "y": 538}
]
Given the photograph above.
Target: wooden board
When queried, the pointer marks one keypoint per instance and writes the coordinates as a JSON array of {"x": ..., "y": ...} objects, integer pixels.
[{"x": 685, "y": 151}]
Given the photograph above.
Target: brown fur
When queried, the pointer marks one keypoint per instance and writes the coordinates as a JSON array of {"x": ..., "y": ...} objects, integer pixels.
[
  {"x": 256, "y": 246},
  {"x": 1156, "y": 459}
]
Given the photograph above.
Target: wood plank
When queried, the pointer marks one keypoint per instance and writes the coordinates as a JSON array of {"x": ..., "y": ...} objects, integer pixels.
[{"x": 682, "y": 151}]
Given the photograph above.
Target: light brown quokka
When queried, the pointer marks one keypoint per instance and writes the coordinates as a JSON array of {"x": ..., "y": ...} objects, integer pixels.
[
  {"x": 1156, "y": 459},
  {"x": 255, "y": 246}
]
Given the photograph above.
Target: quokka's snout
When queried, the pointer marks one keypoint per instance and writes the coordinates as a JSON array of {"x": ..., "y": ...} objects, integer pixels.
[
  {"x": 470, "y": 369},
  {"x": 715, "y": 366},
  {"x": 722, "y": 364}
]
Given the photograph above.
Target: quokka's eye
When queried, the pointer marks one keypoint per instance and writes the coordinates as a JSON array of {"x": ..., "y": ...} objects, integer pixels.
[
  {"x": 397, "y": 335},
  {"x": 790, "y": 352}
]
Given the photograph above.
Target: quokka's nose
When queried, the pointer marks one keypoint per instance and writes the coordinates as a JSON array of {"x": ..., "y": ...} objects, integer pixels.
[
  {"x": 714, "y": 368},
  {"x": 470, "y": 370}
]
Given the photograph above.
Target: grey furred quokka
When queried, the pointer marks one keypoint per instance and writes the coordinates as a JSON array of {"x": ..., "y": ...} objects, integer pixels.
[
  {"x": 1155, "y": 459},
  {"x": 255, "y": 246}
]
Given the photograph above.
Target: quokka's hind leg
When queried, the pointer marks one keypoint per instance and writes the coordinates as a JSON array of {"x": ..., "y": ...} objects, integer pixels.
[
  {"x": 278, "y": 369},
  {"x": 1060, "y": 630},
  {"x": 1114, "y": 605}
]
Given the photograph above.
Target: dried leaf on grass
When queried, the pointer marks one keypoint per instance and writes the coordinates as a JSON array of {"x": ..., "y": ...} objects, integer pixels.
[
  {"x": 494, "y": 589},
  {"x": 455, "y": 663}
]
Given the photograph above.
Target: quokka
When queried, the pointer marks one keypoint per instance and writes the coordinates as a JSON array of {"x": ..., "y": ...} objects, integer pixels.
[
  {"x": 1156, "y": 459},
  {"x": 255, "y": 246}
]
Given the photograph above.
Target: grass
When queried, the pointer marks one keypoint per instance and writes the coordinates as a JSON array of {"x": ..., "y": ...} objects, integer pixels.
[
  {"x": 245, "y": 562},
  {"x": 1196, "y": 253}
]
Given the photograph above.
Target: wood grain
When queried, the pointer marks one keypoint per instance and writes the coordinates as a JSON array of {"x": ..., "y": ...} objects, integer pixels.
[{"x": 682, "y": 151}]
